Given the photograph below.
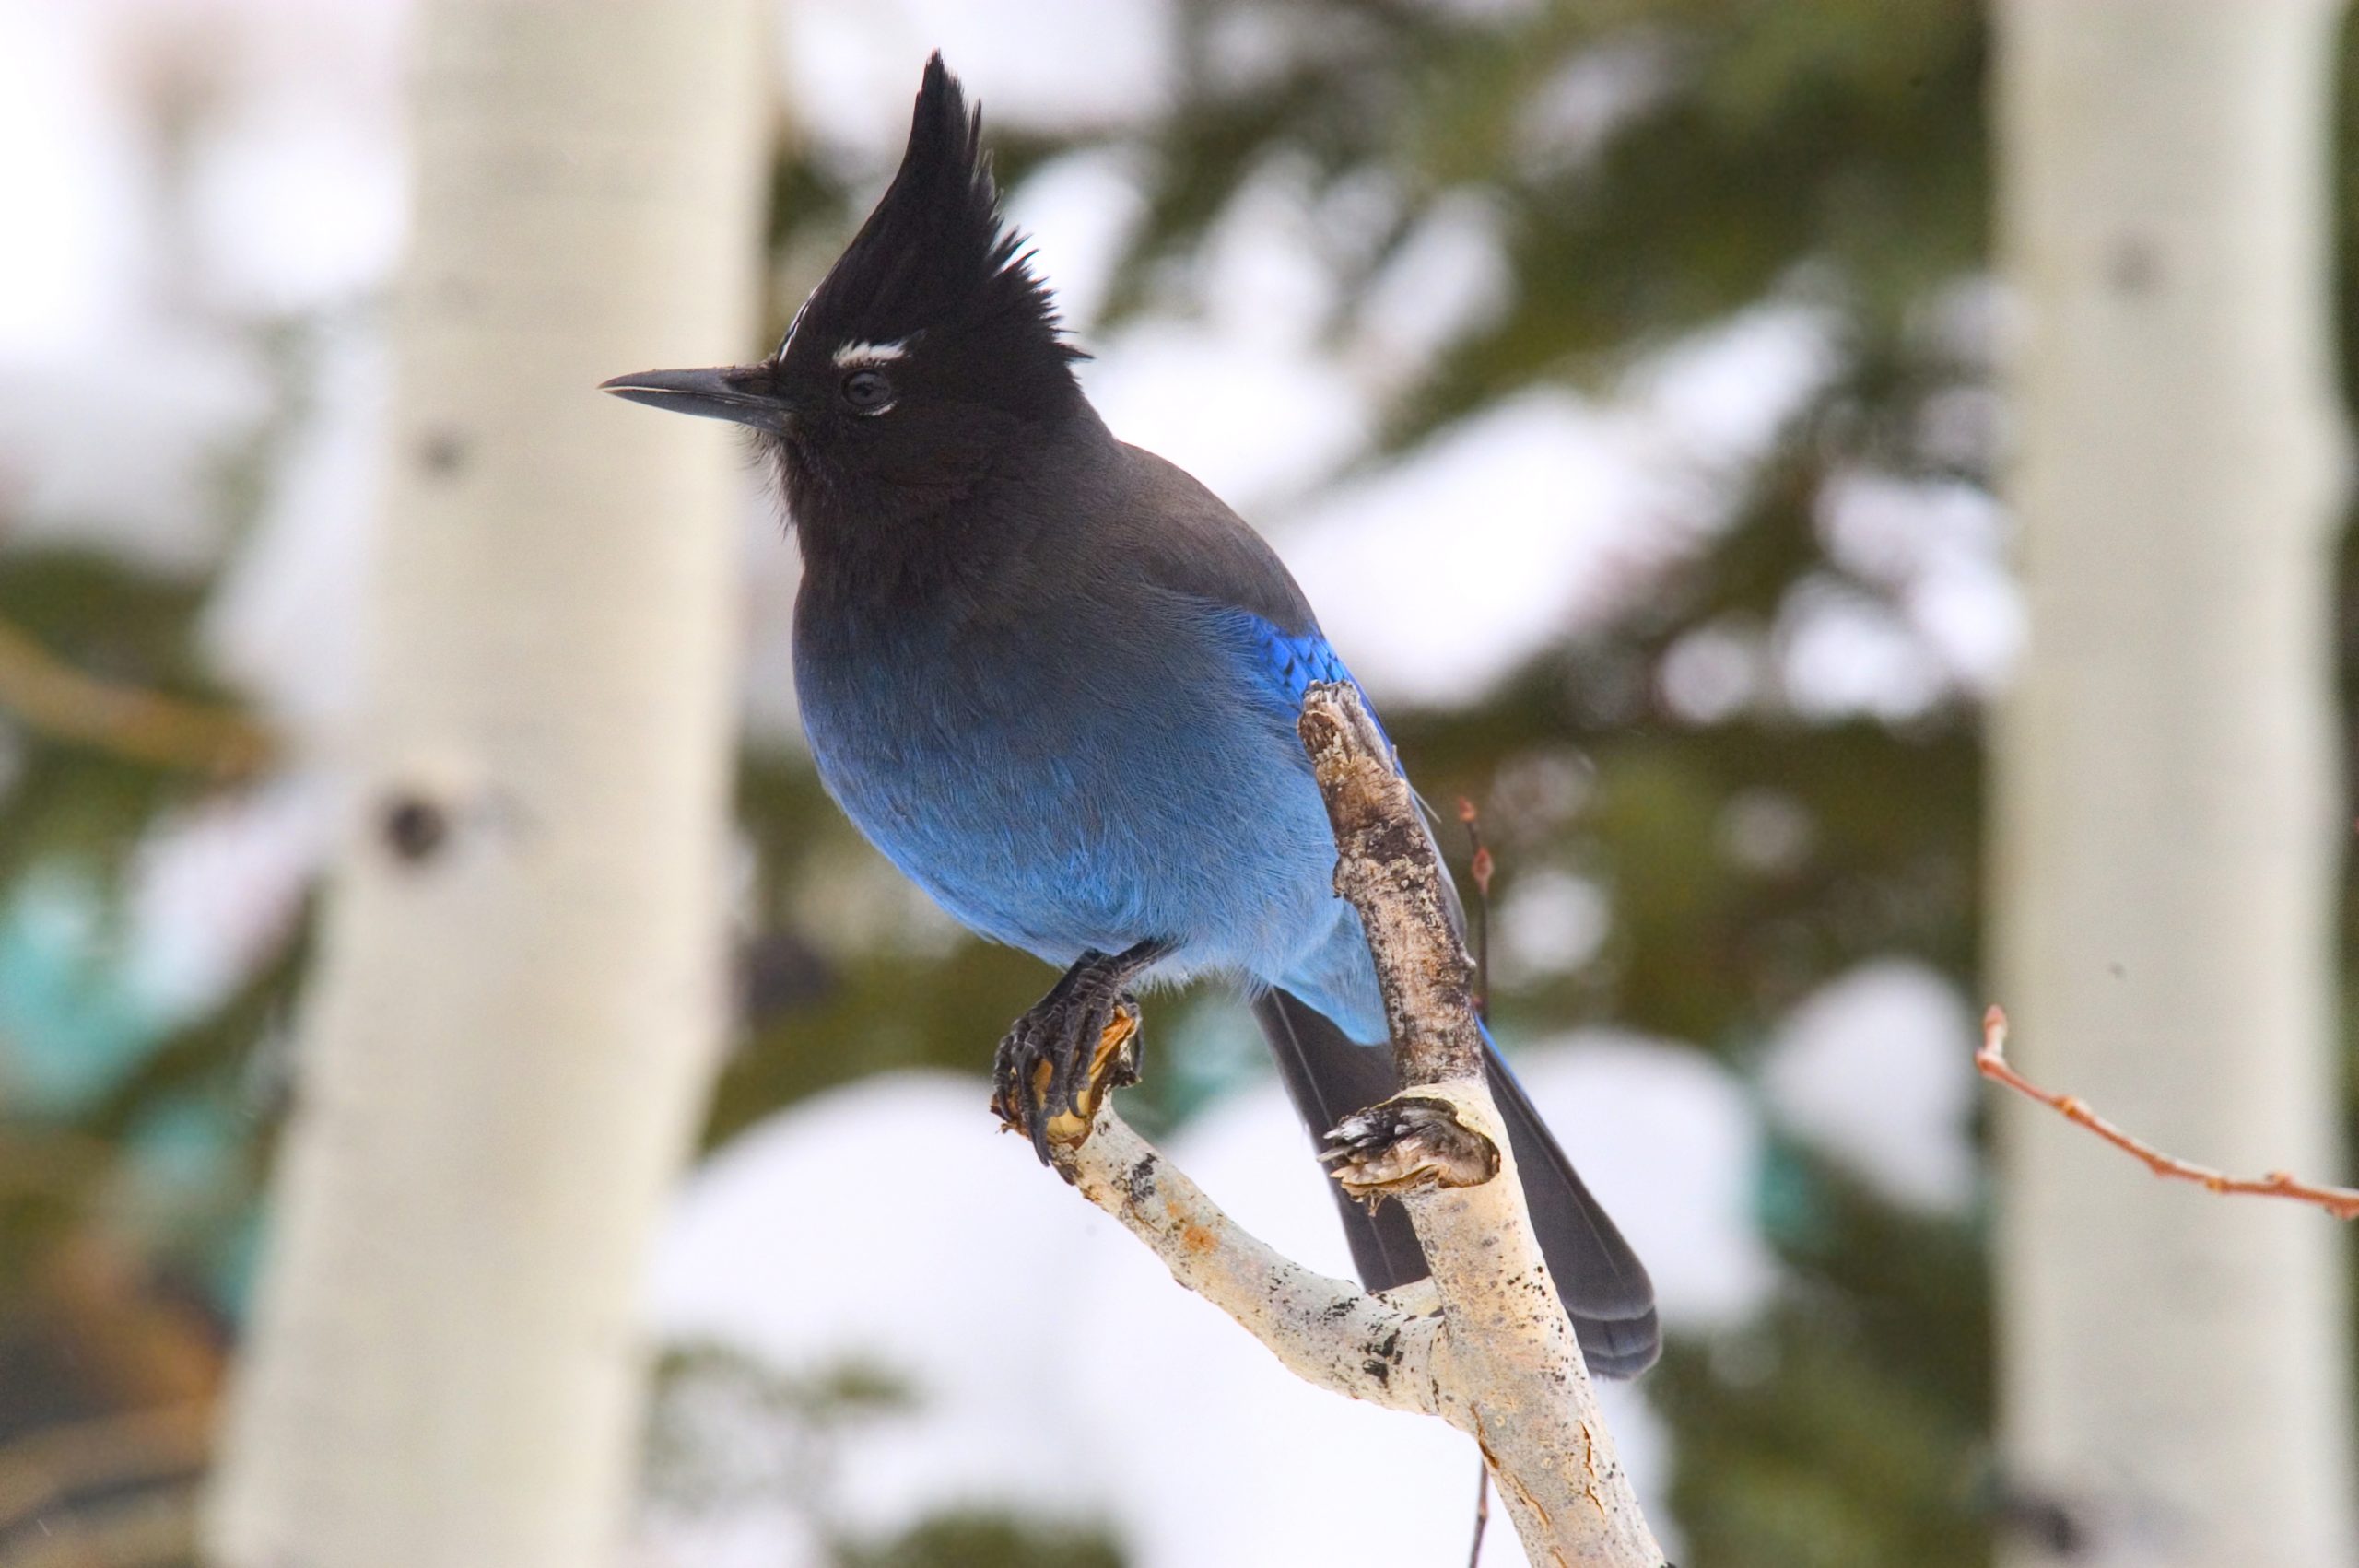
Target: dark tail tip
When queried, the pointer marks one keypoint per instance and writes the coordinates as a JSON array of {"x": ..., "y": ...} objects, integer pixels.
[{"x": 1619, "y": 1348}]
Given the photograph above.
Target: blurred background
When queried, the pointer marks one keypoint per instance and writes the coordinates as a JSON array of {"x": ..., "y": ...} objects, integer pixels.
[{"x": 1620, "y": 381}]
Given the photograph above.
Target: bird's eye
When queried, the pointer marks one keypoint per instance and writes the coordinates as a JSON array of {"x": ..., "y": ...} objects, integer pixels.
[{"x": 868, "y": 392}]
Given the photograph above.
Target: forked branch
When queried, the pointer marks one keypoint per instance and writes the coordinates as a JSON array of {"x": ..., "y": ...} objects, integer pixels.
[{"x": 1485, "y": 1345}]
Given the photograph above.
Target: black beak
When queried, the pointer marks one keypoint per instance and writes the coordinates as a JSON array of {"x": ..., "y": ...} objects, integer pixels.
[{"x": 743, "y": 394}]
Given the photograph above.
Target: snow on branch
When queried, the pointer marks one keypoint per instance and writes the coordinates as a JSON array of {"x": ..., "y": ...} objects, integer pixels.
[{"x": 2342, "y": 1203}]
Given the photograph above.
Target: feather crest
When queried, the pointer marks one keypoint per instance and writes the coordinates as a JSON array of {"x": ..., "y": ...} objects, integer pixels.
[{"x": 936, "y": 257}]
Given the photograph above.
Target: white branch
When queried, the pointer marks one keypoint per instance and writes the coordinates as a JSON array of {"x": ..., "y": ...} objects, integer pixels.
[
  {"x": 1486, "y": 1346},
  {"x": 1327, "y": 1331}
]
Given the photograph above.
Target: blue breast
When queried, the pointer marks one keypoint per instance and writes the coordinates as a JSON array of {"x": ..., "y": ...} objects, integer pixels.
[{"x": 1069, "y": 782}]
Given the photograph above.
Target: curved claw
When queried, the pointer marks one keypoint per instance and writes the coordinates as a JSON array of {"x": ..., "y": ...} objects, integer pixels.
[
  {"x": 1056, "y": 1064},
  {"x": 1112, "y": 1064}
]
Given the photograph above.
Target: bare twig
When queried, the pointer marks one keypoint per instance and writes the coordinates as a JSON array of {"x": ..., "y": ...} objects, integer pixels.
[
  {"x": 112, "y": 1454},
  {"x": 1484, "y": 1344},
  {"x": 1481, "y": 1513},
  {"x": 50, "y": 696},
  {"x": 1478, "y": 869},
  {"x": 2342, "y": 1203}
]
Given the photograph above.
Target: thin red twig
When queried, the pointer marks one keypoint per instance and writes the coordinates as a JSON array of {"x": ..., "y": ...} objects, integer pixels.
[
  {"x": 1481, "y": 870},
  {"x": 2342, "y": 1203}
]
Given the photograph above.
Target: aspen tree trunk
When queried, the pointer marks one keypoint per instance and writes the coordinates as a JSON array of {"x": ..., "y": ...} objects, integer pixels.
[
  {"x": 514, "y": 1026},
  {"x": 2175, "y": 1389}
]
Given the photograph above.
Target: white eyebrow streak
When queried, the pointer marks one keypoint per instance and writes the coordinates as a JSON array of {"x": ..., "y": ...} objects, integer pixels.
[{"x": 871, "y": 353}]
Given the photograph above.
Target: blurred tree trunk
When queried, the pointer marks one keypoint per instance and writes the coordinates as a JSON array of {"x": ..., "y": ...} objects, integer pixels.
[
  {"x": 514, "y": 1022},
  {"x": 2176, "y": 1387}
]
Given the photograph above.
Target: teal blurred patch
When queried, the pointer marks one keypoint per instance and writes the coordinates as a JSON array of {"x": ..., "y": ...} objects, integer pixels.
[{"x": 72, "y": 1027}]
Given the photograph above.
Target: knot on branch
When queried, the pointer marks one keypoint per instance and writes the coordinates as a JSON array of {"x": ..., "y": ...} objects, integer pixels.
[
  {"x": 1351, "y": 758},
  {"x": 1386, "y": 851},
  {"x": 1408, "y": 1143}
]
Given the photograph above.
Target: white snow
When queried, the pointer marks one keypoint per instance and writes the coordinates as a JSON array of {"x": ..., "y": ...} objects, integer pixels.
[
  {"x": 1437, "y": 576},
  {"x": 1667, "y": 1141},
  {"x": 1877, "y": 1068},
  {"x": 285, "y": 621},
  {"x": 217, "y": 888},
  {"x": 1934, "y": 614},
  {"x": 1442, "y": 572},
  {"x": 94, "y": 455},
  {"x": 1060, "y": 1369},
  {"x": 1714, "y": 673},
  {"x": 1843, "y": 652},
  {"x": 297, "y": 200},
  {"x": 126, "y": 371},
  {"x": 851, "y": 67},
  {"x": 71, "y": 181},
  {"x": 1079, "y": 211},
  {"x": 1940, "y": 547},
  {"x": 1447, "y": 279},
  {"x": 1252, "y": 420},
  {"x": 1230, "y": 380},
  {"x": 1550, "y": 921}
]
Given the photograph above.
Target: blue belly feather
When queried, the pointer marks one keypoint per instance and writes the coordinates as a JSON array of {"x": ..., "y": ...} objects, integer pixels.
[{"x": 1088, "y": 784}]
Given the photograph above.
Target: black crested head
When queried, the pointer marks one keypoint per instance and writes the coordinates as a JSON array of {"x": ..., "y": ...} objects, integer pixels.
[
  {"x": 928, "y": 360},
  {"x": 935, "y": 258},
  {"x": 929, "y": 357}
]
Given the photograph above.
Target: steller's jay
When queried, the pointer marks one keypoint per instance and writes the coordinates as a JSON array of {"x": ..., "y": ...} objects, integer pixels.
[{"x": 1056, "y": 682}]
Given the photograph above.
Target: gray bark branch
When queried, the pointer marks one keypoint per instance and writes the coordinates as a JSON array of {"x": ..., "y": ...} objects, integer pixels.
[{"x": 1485, "y": 1345}]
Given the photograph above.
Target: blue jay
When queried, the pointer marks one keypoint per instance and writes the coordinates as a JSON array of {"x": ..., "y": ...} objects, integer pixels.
[{"x": 1055, "y": 681}]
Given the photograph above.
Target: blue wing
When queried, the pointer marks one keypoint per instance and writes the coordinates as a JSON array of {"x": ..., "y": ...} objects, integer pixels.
[{"x": 1290, "y": 664}]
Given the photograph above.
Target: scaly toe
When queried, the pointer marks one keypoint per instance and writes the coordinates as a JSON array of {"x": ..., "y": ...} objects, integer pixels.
[
  {"x": 1113, "y": 1064},
  {"x": 1055, "y": 1066}
]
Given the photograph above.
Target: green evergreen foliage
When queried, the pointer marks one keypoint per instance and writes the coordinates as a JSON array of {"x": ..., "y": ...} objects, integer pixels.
[
  {"x": 1850, "y": 1426},
  {"x": 729, "y": 1430},
  {"x": 727, "y": 1427},
  {"x": 980, "y": 1540}
]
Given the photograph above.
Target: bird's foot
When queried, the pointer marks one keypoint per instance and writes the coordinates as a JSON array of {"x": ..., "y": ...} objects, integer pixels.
[
  {"x": 1405, "y": 1144},
  {"x": 1057, "y": 1063}
]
